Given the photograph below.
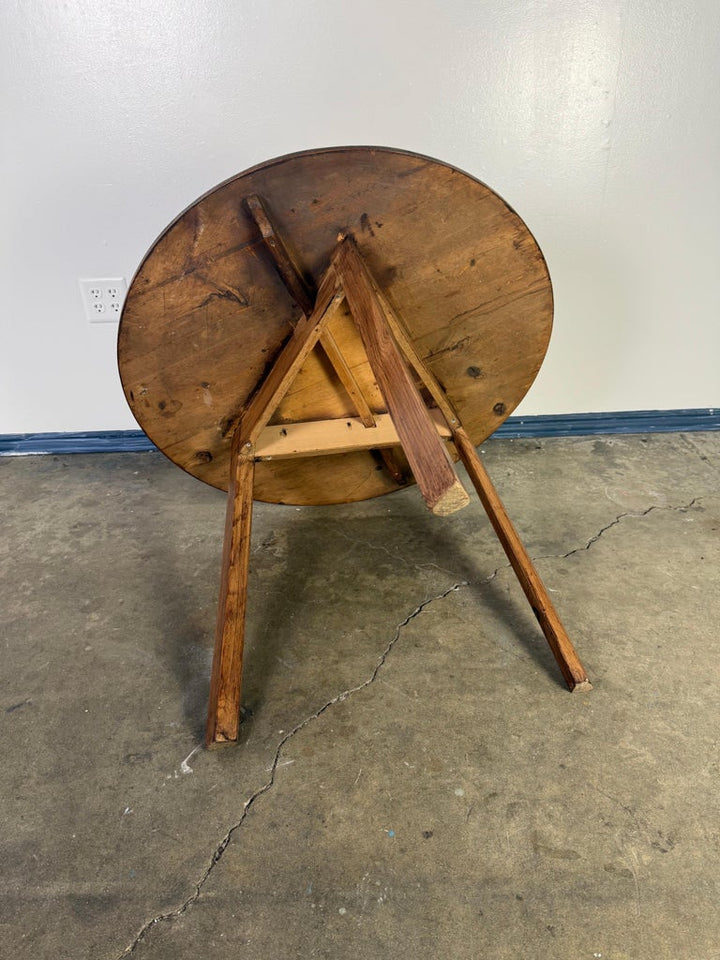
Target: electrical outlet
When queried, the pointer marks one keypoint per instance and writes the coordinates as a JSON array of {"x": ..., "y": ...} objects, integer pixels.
[{"x": 103, "y": 298}]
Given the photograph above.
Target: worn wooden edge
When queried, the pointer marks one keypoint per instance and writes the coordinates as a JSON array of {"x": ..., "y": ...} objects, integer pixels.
[
  {"x": 450, "y": 501},
  {"x": 319, "y": 151}
]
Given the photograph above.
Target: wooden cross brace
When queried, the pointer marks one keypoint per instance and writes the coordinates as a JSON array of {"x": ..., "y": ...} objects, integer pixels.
[{"x": 409, "y": 423}]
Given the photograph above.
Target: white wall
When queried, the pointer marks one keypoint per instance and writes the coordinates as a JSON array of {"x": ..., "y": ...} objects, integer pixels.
[{"x": 596, "y": 119}]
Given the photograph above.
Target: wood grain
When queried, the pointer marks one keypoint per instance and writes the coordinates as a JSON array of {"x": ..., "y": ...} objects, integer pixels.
[
  {"x": 275, "y": 385},
  {"x": 346, "y": 377},
  {"x": 429, "y": 460},
  {"x": 421, "y": 369},
  {"x": 284, "y": 262},
  {"x": 305, "y": 296},
  {"x": 226, "y": 679},
  {"x": 207, "y": 312}
]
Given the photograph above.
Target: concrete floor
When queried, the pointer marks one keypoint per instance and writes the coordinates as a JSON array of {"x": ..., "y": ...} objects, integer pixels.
[{"x": 413, "y": 779}]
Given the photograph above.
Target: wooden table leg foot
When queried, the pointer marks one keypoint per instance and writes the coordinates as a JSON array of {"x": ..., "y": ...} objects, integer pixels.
[{"x": 225, "y": 683}]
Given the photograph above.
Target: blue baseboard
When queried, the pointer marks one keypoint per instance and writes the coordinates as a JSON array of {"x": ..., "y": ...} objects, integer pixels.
[
  {"x": 97, "y": 441},
  {"x": 550, "y": 425},
  {"x": 628, "y": 421}
]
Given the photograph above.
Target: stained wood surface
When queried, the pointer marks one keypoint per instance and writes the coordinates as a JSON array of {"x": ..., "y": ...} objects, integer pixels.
[
  {"x": 207, "y": 313},
  {"x": 225, "y": 681},
  {"x": 429, "y": 460}
]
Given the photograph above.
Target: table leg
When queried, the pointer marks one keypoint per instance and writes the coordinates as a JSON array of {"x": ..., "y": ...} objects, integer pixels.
[
  {"x": 225, "y": 683},
  {"x": 560, "y": 644}
]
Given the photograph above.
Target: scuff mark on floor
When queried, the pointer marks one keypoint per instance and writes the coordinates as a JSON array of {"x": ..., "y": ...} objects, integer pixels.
[{"x": 184, "y": 765}]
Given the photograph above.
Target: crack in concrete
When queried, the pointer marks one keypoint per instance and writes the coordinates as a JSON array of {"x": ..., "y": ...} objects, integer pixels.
[
  {"x": 614, "y": 523},
  {"x": 249, "y": 803},
  {"x": 588, "y": 544},
  {"x": 276, "y": 762},
  {"x": 593, "y": 539}
]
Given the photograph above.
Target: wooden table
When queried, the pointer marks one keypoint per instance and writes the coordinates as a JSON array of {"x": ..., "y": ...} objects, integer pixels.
[{"x": 331, "y": 326}]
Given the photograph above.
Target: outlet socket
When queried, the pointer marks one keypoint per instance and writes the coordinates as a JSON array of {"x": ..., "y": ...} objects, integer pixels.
[{"x": 103, "y": 298}]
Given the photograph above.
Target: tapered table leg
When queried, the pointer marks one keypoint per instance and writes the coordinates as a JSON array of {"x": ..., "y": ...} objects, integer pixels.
[
  {"x": 563, "y": 650},
  {"x": 224, "y": 706}
]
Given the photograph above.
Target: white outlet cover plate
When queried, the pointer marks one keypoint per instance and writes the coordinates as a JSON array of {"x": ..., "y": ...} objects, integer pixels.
[{"x": 103, "y": 298}]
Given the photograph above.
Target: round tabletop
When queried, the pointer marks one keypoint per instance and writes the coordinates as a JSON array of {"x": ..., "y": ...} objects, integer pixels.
[{"x": 207, "y": 312}]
